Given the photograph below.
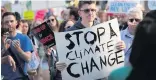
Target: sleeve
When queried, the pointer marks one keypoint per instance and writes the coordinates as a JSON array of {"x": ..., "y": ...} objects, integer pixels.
[{"x": 27, "y": 44}]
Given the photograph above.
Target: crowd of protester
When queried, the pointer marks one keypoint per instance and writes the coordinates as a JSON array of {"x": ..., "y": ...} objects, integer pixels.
[{"x": 18, "y": 44}]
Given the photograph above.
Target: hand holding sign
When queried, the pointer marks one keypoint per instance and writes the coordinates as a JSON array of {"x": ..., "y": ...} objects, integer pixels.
[
  {"x": 90, "y": 53},
  {"x": 61, "y": 66},
  {"x": 121, "y": 45}
]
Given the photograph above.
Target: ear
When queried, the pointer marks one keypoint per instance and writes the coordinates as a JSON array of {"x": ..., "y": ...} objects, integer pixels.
[
  {"x": 79, "y": 12},
  {"x": 16, "y": 22}
]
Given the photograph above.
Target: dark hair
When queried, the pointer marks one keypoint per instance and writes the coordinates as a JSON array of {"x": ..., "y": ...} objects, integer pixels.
[
  {"x": 81, "y": 3},
  {"x": 18, "y": 18},
  {"x": 74, "y": 12},
  {"x": 143, "y": 55},
  {"x": 24, "y": 21},
  {"x": 7, "y": 14}
]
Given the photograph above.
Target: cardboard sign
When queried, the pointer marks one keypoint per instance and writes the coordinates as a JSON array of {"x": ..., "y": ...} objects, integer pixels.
[
  {"x": 120, "y": 6},
  {"x": 28, "y": 15},
  {"x": 90, "y": 53},
  {"x": 152, "y": 5},
  {"x": 40, "y": 14},
  {"x": 44, "y": 34}
]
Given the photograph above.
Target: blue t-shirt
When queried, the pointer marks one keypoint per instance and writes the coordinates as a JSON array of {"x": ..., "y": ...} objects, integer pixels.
[{"x": 26, "y": 45}]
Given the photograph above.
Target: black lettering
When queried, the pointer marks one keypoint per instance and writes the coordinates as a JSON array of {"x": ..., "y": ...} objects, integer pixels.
[
  {"x": 83, "y": 68},
  {"x": 97, "y": 49},
  {"x": 90, "y": 50},
  {"x": 77, "y": 36},
  {"x": 92, "y": 41},
  {"x": 93, "y": 64},
  {"x": 117, "y": 57},
  {"x": 112, "y": 32},
  {"x": 111, "y": 59},
  {"x": 67, "y": 56},
  {"x": 109, "y": 45},
  {"x": 71, "y": 45},
  {"x": 100, "y": 34},
  {"x": 102, "y": 46},
  {"x": 69, "y": 70},
  {"x": 103, "y": 62},
  {"x": 76, "y": 54}
]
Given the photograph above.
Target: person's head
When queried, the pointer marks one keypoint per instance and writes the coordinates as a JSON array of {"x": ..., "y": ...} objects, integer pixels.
[
  {"x": 143, "y": 53},
  {"x": 102, "y": 16},
  {"x": 9, "y": 21},
  {"x": 65, "y": 14},
  {"x": 19, "y": 23},
  {"x": 87, "y": 10},
  {"x": 135, "y": 15},
  {"x": 25, "y": 27},
  {"x": 73, "y": 13},
  {"x": 52, "y": 21}
]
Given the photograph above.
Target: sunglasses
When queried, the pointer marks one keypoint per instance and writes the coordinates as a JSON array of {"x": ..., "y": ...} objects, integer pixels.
[
  {"x": 88, "y": 10},
  {"x": 50, "y": 20},
  {"x": 137, "y": 20}
]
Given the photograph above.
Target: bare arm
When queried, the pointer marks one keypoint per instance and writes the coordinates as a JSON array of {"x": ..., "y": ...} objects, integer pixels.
[
  {"x": 9, "y": 60},
  {"x": 26, "y": 56}
]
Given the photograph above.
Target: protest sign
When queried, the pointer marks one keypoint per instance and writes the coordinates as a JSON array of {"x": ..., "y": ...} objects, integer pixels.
[
  {"x": 90, "y": 53},
  {"x": 44, "y": 34},
  {"x": 40, "y": 14},
  {"x": 152, "y": 5},
  {"x": 28, "y": 15},
  {"x": 121, "y": 6}
]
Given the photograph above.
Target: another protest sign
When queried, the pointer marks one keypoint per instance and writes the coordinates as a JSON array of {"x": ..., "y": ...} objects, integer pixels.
[
  {"x": 40, "y": 14},
  {"x": 44, "y": 34},
  {"x": 28, "y": 15},
  {"x": 121, "y": 6},
  {"x": 90, "y": 53}
]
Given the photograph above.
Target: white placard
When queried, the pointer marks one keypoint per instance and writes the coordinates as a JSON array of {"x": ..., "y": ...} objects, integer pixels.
[{"x": 90, "y": 53}]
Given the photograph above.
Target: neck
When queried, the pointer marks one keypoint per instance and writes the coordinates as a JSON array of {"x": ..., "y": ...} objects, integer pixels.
[
  {"x": 13, "y": 34},
  {"x": 55, "y": 29},
  {"x": 132, "y": 32},
  {"x": 87, "y": 24},
  {"x": 19, "y": 28}
]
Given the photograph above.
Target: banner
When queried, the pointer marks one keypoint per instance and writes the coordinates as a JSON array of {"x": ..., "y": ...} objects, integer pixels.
[
  {"x": 90, "y": 53},
  {"x": 151, "y": 4},
  {"x": 121, "y": 6},
  {"x": 40, "y": 14},
  {"x": 28, "y": 15},
  {"x": 44, "y": 34}
]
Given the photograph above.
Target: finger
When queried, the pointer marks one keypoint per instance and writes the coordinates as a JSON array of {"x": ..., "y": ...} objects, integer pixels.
[
  {"x": 59, "y": 64},
  {"x": 14, "y": 66},
  {"x": 61, "y": 68},
  {"x": 15, "y": 43}
]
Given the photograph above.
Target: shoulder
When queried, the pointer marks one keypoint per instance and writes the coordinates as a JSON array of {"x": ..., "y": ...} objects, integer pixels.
[
  {"x": 74, "y": 27},
  {"x": 71, "y": 28},
  {"x": 23, "y": 37},
  {"x": 123, "y": 32}
]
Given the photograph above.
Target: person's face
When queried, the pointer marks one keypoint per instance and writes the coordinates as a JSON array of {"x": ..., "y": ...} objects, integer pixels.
[
  {"x": 10, "y": 22},
  {"x": 88, "y": 12},
  {"x": 133, "y": 21},
  {"x": 52, "y": 21},
  {"x": 103, "y": 17},
  {"x": 65, "y": 14},
  {"x": 25, "y": 28}
]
